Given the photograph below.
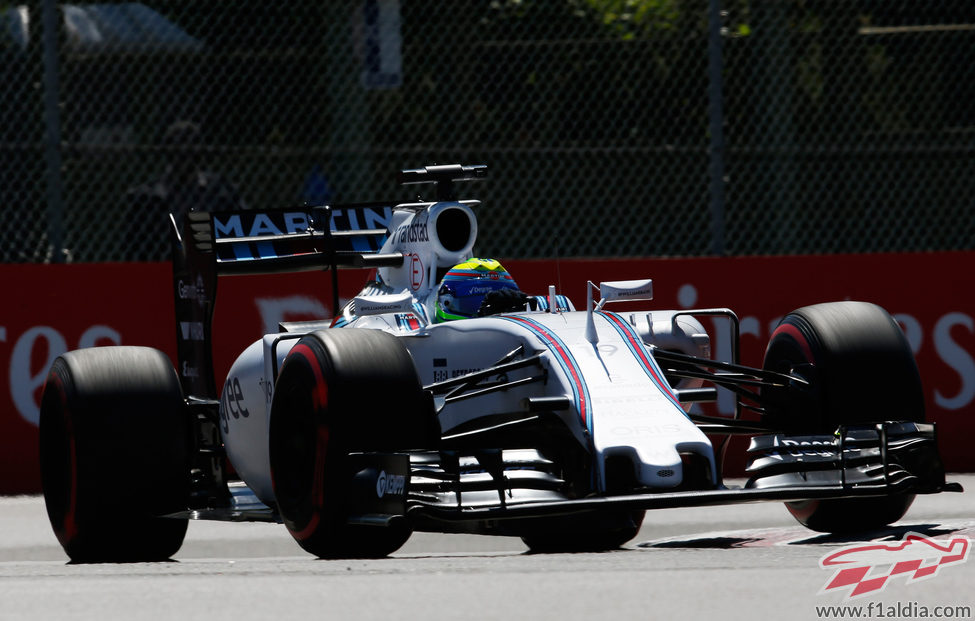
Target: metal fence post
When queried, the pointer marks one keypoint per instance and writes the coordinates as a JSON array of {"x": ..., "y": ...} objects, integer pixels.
[
  {"x": 349, "y": 145},
  {"x": 716, "y": 149},
  {"x": 776, "y": 84},
  {"x": 52, "y": 131}
]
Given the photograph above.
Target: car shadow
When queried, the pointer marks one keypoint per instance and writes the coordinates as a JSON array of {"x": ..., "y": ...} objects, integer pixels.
[{"x": 793, "y": 536}]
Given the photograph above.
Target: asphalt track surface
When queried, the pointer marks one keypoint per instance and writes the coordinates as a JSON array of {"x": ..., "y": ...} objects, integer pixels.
[{"x": 723, "y": 563}]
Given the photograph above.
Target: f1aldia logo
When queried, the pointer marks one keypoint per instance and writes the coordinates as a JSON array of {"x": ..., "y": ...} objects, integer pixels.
[
  {"x": 391, "y": 484},
  {"x": 867, "y": 568}
]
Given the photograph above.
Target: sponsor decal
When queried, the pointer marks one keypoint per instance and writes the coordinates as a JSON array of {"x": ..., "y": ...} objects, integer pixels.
[
  {"x": 623, "y": 394},
  {"x": 390, "y": 484},
  {"x": 627, "y": 290},
  {"x": 440, "y": 372},
  {"x": 414, "y": 232},
  {"x": 803, "y": 448},
  {"x": 867, "y": 568},
  {"x": 189, "y": 291},
  {"x": 268, "y": 389},
  {"x": 361, "y": 218},
  {"x": 644, "y": 431},
  {"x": 191, "y": 330},
  {"x": 476, "y": 290},
  {"x": 953, "y": 355},
  {"x": 232, "y": 403},
  {"x": 379, "y": 304},
  {"x": 252, "y": 224},
  {"x": 407, "y": 321},
  {"x": 442, "y": 375},
  {"x": 44, "y": 344},
  {"x": 189, "y": 370},
  {"x": 372, "y": 309},
  {"x": 416, "y": 271}
]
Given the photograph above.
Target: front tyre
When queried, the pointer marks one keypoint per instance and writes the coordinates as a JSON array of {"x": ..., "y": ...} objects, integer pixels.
[
  {"x": 342, "y": 391},
  {"x": 592, "y": 532},
  {"x": 861, "y": 370},
  {"x": 115, "y": 454}
]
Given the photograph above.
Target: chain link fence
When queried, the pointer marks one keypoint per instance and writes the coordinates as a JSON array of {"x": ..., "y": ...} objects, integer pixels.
[{"x": 610, "y": 127}]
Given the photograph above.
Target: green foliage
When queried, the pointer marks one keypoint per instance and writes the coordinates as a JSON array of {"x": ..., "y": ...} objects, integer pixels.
[{"x": 632, "y": 19}]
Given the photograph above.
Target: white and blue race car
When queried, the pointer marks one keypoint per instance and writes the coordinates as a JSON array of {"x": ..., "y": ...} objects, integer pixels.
[{"x": 443, "y": 398}]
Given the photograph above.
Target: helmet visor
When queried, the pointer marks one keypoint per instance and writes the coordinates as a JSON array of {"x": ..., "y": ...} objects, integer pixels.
[{"x": 462, "y": 299}]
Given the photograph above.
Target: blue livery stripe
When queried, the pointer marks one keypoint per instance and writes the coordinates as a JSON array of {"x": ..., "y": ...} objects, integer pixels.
[
  {"x": 242, "y": 252},
  {"x": 265, "y": 250}
]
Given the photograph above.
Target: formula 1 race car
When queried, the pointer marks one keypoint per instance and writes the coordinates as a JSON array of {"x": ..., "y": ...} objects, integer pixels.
[{"x": 443, "y": 398}]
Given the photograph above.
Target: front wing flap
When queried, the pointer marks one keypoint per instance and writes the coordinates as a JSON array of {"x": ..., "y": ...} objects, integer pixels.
[{"x": 853, "y": 456}]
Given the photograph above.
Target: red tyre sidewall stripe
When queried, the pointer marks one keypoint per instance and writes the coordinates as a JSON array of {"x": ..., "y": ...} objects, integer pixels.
[
  {"x": 796, "y": 335},
  {"x": 320, "y": 401},
  {"x": 802, "y": 510}
]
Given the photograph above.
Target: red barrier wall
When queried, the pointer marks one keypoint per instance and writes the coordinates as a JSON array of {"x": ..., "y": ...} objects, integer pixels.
[{"x": 52, "y": 308}]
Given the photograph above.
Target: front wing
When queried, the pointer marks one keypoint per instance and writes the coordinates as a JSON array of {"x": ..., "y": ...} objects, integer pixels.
[
  {"x": 477, "y": 491},
  {"x": 854, "y": 462}
]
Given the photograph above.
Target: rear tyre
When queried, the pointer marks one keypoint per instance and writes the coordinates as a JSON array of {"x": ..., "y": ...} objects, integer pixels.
[
  {"x": 861, "y": 370},
  {"x": 595, "y": 532},
  {"x": 341, "y": 391},
  {"x": 115, "y": 454}
]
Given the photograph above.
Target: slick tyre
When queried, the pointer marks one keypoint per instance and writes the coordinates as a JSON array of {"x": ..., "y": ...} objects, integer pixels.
[
  {"x": 595, "y": 532},
  {"x": 861, "y": 370},
  {"x": 341, "y": 391},
  {"x": 115, "y": 454}
]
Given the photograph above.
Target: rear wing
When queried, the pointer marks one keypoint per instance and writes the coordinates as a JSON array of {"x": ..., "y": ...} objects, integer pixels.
[
  {"x": 287, "y": 240},
  {"x": 272, "y": 241}
]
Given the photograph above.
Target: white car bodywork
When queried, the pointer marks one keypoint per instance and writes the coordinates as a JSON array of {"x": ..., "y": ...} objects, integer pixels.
[{"x": 621, "y": 404}]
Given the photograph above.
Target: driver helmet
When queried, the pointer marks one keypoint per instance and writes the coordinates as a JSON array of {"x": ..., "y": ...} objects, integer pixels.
[{"x": 466, "y": 284}]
